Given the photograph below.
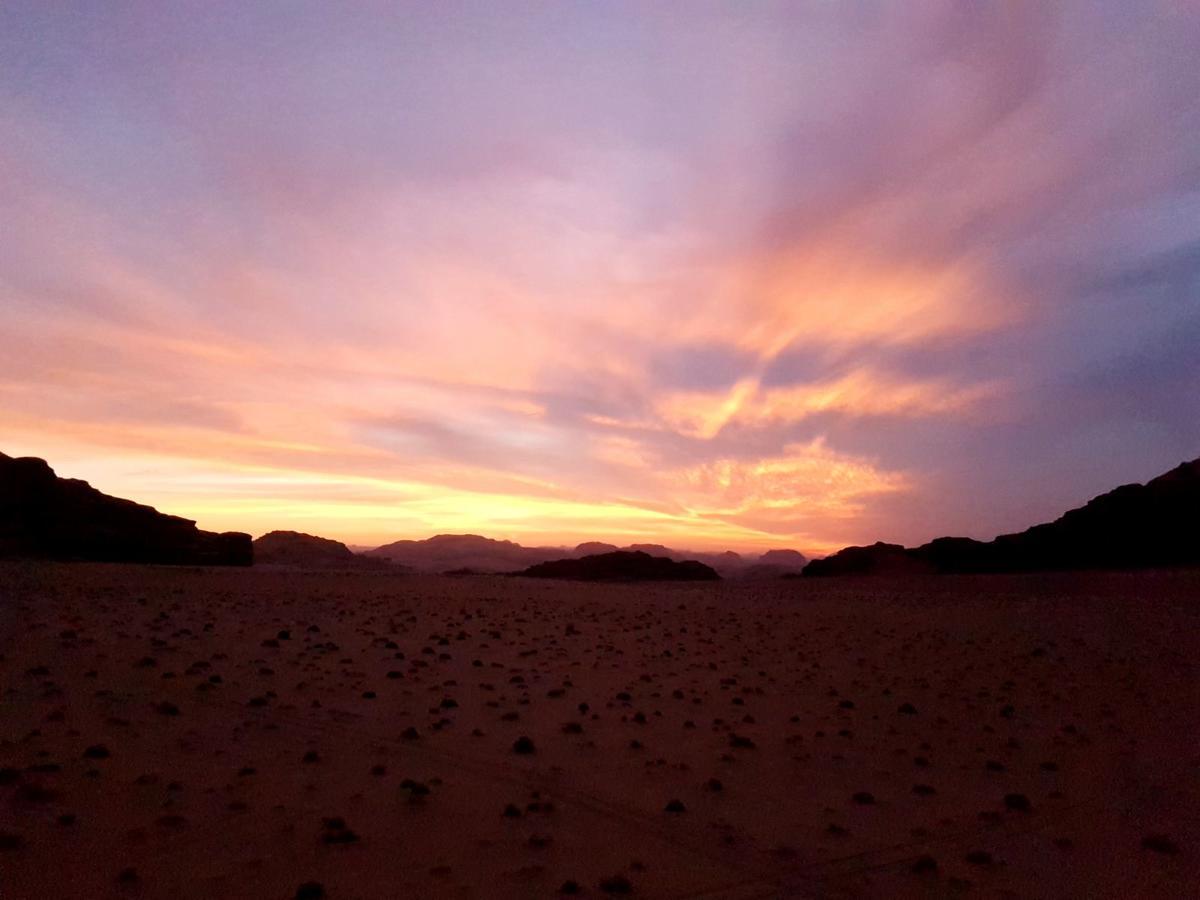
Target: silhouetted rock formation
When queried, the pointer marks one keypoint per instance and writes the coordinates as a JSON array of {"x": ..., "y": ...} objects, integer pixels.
[
  {"x": 1133, "y": 526},
  {"x": 461, "y": 552},
  {"x": 771, "y": 564},
  {"x": 787, "y": 559},
  {"x": 725, "y": 561},
  {"x": 47, "y": 517},
  {"x": 877, "y": 559},
  {"x": 775, "y": 564},
  {"x": 297, "y": 548},
  {"x": 652, "y": 549},
  {"x": 623, "y": 565},
  {"x": 306, "y": 551}
]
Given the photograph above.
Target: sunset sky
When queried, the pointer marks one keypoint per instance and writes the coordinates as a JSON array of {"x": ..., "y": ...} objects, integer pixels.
[{"x": 740, "y": 275}]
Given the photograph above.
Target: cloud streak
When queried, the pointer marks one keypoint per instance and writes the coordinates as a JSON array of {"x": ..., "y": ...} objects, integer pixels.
[{"x": 796, "y": 275}]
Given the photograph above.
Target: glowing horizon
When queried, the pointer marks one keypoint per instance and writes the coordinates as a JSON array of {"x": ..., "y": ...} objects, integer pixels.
[{"x": 730, "y": 278}]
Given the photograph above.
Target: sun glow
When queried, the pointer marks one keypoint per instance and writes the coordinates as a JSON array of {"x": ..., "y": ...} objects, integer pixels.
[{"x": 651, "y": 281}]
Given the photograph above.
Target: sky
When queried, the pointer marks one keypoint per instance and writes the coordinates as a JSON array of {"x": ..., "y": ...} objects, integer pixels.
[{"x": 718, "y": 275}]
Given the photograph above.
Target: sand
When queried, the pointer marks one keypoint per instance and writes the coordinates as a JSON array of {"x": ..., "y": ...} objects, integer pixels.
[{"x": 191, "y": 733}]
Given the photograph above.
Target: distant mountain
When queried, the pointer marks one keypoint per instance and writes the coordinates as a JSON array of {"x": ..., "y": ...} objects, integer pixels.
[
  {"x": 306, "y": 551},
  {"x": 787, "y": 559},
  {"x": 622, "y": 565},
  {"x": 296, "y": 548},
  {"x": 47, "y": 517},
  {"x": 774, "y": 564},
  {"x": 462, "y": 552},
  {"x": 1134, "y": 526},
  {"x": 593, "y": 548},
  {"x": 726, "y": 563},
  {"x": 771, "y": 564},
  {"x": 651, "y": 549},
  {"x": 471, "y": 552}
]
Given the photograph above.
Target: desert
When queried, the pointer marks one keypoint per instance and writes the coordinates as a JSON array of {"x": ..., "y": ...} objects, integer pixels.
[
  {"x": 696, "y": 450},
  {"x": 209, "y": 732}
]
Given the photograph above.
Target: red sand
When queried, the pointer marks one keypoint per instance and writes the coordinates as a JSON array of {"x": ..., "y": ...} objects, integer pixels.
[{"x": 1077, "y": 695}]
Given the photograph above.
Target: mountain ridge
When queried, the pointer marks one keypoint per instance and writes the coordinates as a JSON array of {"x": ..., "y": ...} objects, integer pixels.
[
  {"x": 1156, "y": 524},
  {"x": 296, "y": 549},
  {"x": 449, "y": 552},
  {"x": 48, "y": 517}
]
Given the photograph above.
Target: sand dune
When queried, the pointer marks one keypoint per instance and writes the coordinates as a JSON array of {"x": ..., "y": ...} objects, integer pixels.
[{"x": 193, "y": 733}]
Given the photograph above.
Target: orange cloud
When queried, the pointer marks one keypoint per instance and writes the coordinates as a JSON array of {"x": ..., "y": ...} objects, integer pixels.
[
  {"x": 204, "y": 480},
  {"x": 860, "y": 392},
  {"x": 807, "y": 481},
  {"x": 239, "y": 432},
  {"x": 428, "y": 355},
  {"x": 839, "y": 295}
]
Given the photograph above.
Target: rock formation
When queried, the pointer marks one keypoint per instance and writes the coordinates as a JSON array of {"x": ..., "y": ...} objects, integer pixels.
[
  {"x": 47, "y": 517},
  {"x": 307, "y": 551},
  {"x": 1156, "y": 524},
  {"x": 623, "y": 565}
]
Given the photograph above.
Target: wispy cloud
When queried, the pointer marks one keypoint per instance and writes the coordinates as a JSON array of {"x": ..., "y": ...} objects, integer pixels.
[{"x": 783, "y": 276}]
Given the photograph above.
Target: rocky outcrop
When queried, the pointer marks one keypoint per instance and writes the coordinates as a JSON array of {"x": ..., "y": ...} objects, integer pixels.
[
  {"x": 623, "y": 565},
  {"x": 307, "y": 551},
  {"x": 47, "y": 517},
  {"x": 785, "y": 559},
  {"x": 877, "y": 559},
  {"x": 1133, "y": 526},
  {"x": 1156, "y": 524}
]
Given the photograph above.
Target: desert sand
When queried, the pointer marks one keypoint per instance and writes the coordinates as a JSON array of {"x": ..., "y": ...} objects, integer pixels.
[{"x": 201, "y": 733}]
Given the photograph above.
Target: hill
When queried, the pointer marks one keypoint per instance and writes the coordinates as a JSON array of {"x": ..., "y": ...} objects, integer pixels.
[
  {"x": 297, "y": 548},
  {"x": 774, "y": 564},
  {"x": 1134, "y": 526},
  {"x": 623, "y": 565},
  {"x": 787, "y": 559},
  {"x": 307, "y": 551},
  {"x": 474, "y": 553},
  {"x": 47, "y": 517},
  {"x": 462, "y": 552}
]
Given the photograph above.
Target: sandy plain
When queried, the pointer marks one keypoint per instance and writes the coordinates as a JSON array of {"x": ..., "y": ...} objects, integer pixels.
[{"x": 203, "y": 733}]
